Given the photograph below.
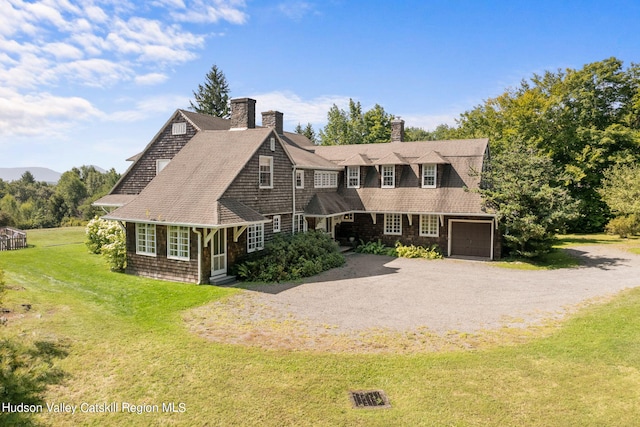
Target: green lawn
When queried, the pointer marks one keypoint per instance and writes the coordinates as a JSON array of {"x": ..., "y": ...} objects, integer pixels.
[
  {"x": 559, "y": 258},
  {"x": 116, "y": 338}
]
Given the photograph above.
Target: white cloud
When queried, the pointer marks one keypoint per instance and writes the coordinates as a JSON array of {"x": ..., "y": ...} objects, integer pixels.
[
  {"x": 61, "y": 32},
  {"x": 63, "y": 50},
  {"x": 40, "y": 113},
  {"x": 145, "y": 108},
  {"x": 297, "y": 110},
  {"x": 296, "y": 10},
  {"x": 429, "y": 122},
  {"x": 201, "y": 11},
  {"x": 151, "y": 79},
  {"x": 94, "y": 72}
]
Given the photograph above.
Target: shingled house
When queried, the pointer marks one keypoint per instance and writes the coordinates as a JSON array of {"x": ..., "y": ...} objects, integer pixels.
[{"x": 206, "y": 191}]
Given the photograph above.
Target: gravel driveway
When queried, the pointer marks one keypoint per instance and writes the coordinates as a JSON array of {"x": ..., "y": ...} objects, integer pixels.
[{"x": 376, "y": 302}]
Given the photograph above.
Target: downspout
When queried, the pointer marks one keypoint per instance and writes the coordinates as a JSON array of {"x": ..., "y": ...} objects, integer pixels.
[
  {"x": 293, "y": 190},
  {"x": 199, "y": 233}
]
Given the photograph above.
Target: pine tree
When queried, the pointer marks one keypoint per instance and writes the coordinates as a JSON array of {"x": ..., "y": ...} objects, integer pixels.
[{"x": 212, "y": 97}]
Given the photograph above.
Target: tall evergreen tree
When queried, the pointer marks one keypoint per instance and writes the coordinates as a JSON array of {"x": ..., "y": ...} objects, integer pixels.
[
  {"x": 212, "y": 97},
  {"x": 308, "y": 132}
]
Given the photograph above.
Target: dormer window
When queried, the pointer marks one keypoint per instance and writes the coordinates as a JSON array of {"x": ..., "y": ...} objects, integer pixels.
[
  {"x": 353, "y": 176},
  {"x": 388, "y": 173},
  {"x": 179, "y": 128},
  {"x": 428, "y": 176}
]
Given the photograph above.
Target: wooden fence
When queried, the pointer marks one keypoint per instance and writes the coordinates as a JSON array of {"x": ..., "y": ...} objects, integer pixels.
[{"x": 11, "y": 239}]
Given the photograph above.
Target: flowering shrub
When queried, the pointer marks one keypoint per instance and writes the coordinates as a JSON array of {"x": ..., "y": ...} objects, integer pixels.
[{"x": 108, "y": 238}]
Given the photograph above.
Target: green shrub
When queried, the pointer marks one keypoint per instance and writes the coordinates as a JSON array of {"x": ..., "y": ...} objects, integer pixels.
[
  {"x": 412, "y": 251},
  {"x": 624, "y": 226},
  {"x": 375, "y": 248},
  {"x": 107, "y": 238},
  {"x": 291, "y": 257}
]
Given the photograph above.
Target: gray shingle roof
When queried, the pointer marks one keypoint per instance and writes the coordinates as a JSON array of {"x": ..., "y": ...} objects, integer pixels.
[
  {"x": 114, "y": 200},
  {"x": 410, "y": 151},
  {"x": 189, "y": 188},
  {"x": 206, "y": 121}
]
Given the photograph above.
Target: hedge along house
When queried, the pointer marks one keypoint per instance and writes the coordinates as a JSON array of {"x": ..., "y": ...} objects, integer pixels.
[{"x": 206, "y": 191}]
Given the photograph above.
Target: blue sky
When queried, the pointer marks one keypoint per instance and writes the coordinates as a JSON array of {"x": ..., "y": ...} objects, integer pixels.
[{"x": 92, "y": 81}]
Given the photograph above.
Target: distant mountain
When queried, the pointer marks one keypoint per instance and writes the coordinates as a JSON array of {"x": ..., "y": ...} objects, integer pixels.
[{"x": 40, "y": 174}]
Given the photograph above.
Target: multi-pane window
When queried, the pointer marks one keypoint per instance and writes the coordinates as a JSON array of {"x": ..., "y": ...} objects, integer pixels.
[
  {"x": 266, "y": 172},
  {"x": 276, "y": 223},
  {"x": 428, "y": 176},
  {"x": 299, "y": 223},
  {"x": 393, "y": 224},
  {"x": 178, "y": 242},
  {"x": 388, "y": 176},
  {"x": 429, "y": 225},
  {"x": 179, "y": 128},
  {"x": 353, "y": 176},
  {"x": 325, "y": 179},
  {"x": 299, "y": 179},
  {"x": 255, "y": 237},
  {"x": 146, "y": 239}
]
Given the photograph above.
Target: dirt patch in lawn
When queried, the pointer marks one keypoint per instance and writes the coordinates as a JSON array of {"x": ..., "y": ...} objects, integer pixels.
[{"x": 243, "y": 319}]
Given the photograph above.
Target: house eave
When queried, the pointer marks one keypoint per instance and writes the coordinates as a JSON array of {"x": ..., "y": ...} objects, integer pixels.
[{"x": 185, "y": 224}]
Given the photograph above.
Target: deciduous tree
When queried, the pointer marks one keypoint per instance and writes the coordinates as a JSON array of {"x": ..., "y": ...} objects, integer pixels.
[{"x": 524, "y": 189}]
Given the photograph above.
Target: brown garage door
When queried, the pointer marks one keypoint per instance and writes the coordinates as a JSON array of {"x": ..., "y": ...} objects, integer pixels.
[{"x": 471, "y": 239}]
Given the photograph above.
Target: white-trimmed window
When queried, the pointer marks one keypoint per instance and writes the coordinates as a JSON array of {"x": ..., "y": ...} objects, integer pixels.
[
  {"x": 393, "y": 224},
  {"x": 388, "y": 176},
  {"x": 178, "y": 243},
  {"x": 429, "y": 225},
  {"x": 299, "y": 179},
  {"x": 276, "y": 223},
  {"x": 325, "y": 179},
  {"x": 353, "y": 176},
  {"x": 161, "y": 164},
  {"x": 146, "y": 239},
  {"x": 272, "y": 144},
  {"x": 179, "y": 128},
  {"x": 255, "y": 237},
  {"x": 266, "y": 172},
  {"x": 428, "y": 176},
  {"x": 299, "y": 223}
]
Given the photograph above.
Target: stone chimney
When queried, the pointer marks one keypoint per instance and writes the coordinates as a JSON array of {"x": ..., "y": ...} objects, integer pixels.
[
  {"x": 273, "y": 119},
  {"x": 397, "y": 130},
  {"x": 243, "y": 113}
]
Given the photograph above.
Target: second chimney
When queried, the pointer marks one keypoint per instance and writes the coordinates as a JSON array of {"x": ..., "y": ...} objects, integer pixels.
[
  {"x": 273, "y": 120},
  {"x": 243, "y": 113},
  {"x": 397, "y": 130}
]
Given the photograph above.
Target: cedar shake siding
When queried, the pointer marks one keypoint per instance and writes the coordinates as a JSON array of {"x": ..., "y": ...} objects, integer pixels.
[
  {"x": 159, "y": 266},
  {"x": 363, "y": 228},
  {"x": 165, "y": 146},
  {"x": 245, "y": 187}
]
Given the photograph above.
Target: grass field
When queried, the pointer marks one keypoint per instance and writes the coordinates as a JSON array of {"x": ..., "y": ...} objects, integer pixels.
[{"x": 98, "y": 337}]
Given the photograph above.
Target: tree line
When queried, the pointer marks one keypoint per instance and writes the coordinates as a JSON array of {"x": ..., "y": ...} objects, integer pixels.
[{"x": 27, "y": 203}]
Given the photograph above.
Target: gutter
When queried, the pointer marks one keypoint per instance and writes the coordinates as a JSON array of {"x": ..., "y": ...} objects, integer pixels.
[{"x": 293, "y": 190}]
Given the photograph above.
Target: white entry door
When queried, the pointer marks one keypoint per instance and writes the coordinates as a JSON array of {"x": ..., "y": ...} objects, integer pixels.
[
  {"x": 330, "y": 228},
  {"x": 219, "y": 253}
]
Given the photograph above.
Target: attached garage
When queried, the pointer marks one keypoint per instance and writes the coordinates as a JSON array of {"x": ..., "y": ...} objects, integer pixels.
[{"x": 472, "y": 238}]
